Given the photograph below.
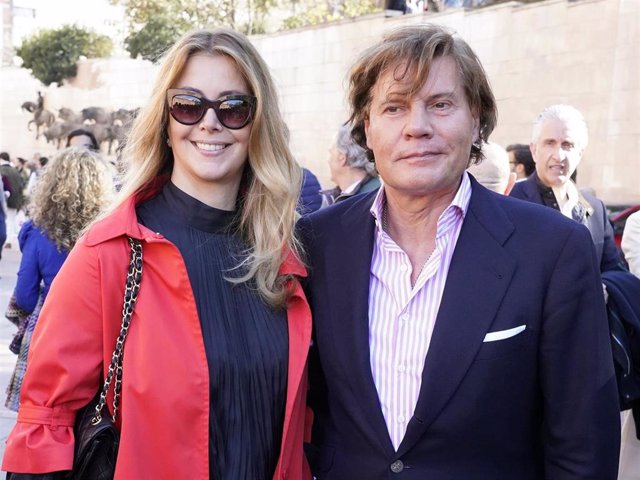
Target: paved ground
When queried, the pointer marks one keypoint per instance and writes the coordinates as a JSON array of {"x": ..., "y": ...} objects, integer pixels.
[{"x": 8, "y": 268}]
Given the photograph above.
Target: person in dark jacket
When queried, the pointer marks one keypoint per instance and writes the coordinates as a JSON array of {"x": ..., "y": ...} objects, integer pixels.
[
  {"x": 351, "y": 170},
  {"x": 16, "y": 183},
  {"x": 310, "y": 197},
  {"x": 559, "y": 139},
  {"x": 623, "y": 308},
  {"x": 15, "y": 200},
  {"x": 521, "y": 161},
  {"x": 458, "y": 333}
]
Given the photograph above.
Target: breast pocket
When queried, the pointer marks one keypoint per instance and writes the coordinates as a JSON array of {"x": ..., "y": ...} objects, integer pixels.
[{"x": 503, "y": 343}]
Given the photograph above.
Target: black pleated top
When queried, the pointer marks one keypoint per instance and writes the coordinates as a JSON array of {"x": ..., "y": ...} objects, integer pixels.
[{"x": 246, "y": 341}]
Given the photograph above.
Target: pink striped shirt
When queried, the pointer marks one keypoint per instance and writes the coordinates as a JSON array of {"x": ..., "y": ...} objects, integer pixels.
[{"x": 402, "y": 317}]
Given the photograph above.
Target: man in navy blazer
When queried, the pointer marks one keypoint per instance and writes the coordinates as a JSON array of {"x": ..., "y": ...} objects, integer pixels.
[
  {"x": 559, "y": 139},
  {"x": 458, "y": 334}
]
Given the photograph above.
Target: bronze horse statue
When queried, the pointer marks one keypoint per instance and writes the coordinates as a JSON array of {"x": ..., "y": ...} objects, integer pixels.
[
  {"x": 29, "y": 106},
  {"x": 42, "y": 118}
]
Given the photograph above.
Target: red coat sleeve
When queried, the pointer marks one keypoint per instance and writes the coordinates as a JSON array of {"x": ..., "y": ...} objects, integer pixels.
[{"x": 63, "y": 368}]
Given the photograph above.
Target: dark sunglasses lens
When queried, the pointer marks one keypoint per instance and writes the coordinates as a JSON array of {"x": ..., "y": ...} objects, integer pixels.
[
  {"x": 186, "y": 109},
  {"x": 235, "y": 113}
]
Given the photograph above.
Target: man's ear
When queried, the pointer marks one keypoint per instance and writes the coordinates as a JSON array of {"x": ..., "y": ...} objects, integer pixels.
[
  {"x": 476, "y": 129},
  {"x": 366, "y": 131},
  {"x": 342, "y": 159}
]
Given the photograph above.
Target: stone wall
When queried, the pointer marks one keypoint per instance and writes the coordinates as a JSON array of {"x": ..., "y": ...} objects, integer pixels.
[{"x": 584, "y": 52}]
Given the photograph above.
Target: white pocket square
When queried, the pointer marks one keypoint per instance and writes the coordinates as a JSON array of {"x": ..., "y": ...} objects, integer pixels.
[{"x": 503, "y": 334}]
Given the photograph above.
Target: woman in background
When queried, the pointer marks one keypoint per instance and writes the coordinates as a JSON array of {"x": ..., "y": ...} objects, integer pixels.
[
  {"x": 69, "y": 195},
  {"x": 214, "y": 377}
]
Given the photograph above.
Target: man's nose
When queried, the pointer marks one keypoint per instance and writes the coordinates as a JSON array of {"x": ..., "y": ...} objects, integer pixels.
[
  {"x": 560, "y": 153},
  {"x": 418, "y": 122}
]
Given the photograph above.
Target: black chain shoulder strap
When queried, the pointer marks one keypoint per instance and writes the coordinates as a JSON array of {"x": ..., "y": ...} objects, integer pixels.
[{"x": 134, "y": 276}]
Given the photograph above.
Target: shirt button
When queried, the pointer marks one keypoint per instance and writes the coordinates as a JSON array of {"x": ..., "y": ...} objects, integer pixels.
[
  {"x": 401, "y": 368},
  {"x": 404, "y": 317},
  {"x": 401, "y": 419},
  {"x": 403, "y": 268},
  {"x": 397, "y": 466}
]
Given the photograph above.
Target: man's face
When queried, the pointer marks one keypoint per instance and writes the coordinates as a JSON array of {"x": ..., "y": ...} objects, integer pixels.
[
  {"x": 556, "y": 152},
  {"x": 513, "y": 165},
  {"x": 421, "y": 144},
  {"x": 516, "y": 167}
]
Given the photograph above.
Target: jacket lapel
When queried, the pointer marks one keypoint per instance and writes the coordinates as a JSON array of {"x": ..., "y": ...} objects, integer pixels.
[
  {"x": 531, "y": 189},
  {"x": 350, "y": 310},
  {"x": 478, "y": 278}
]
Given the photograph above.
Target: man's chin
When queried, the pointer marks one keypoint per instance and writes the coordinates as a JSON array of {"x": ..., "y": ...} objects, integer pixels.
[{"x": 557, "y": 181}]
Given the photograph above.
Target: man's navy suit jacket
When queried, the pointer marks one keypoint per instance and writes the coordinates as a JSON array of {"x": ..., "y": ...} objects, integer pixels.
[
  {"x": 597, "y": 223},
  {"x": 539, "y": 405}
]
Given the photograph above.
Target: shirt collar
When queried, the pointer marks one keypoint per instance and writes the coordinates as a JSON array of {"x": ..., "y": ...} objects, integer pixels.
[
  {"x": 567, "y": 205},
  {"x": 352, "y": 187},
  {"x": 459, "y": 203},
  {"x": 566, "y": 197}
]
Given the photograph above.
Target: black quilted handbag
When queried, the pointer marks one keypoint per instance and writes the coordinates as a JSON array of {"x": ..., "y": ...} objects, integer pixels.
[
  {"x": 96, "y": 437},
  {"x": 97, "y": 444}
]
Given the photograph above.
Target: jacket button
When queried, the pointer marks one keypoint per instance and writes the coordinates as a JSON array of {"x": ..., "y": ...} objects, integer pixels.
[{"x": 397, "y": 466}]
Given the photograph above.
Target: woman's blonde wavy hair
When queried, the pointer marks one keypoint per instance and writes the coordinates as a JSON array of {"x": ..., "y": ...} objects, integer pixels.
[
  {"x": 268, "y": 197},
  {"x": 74, "y": 187}
]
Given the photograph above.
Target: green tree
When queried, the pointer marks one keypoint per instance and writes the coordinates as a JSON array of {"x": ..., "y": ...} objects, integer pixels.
[
  {"x": 153, "y": 38},
  {"x": 313, "y": 13},
  {"x": 155, "y": 24},
  {"x": 257, "y": 12},
  {"x": 52, "y": 54}
]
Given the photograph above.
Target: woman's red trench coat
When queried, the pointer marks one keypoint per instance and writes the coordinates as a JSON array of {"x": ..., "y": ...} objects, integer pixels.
[{"x": 164, "y": 416}]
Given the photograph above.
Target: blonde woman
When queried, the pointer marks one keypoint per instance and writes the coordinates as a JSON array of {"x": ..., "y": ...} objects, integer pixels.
[
  {"x": 214, "y": 379},
  {"x": 70, "y": 194}
]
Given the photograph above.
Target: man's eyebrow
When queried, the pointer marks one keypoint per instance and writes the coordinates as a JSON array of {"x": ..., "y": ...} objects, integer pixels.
[
  {"x": 396, "y": 96},
  {"x": 402, "y": 96},
  {"x": 451, "y": 94}
]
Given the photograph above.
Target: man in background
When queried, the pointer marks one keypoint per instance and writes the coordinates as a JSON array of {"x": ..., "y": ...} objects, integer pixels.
[
  {"x": 16, "y": 199},
  {"x": 494, "y": 172},
  {"x": 351, "y": 170},
  {"x": 521, "y": 161},
  {"x": 558, "y": 141}
]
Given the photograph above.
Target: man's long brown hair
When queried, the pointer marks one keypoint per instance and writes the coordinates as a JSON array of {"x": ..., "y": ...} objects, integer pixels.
[{"x": 409, "y": 52}]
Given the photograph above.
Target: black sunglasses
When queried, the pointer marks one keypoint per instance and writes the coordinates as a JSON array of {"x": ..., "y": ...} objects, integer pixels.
[{"x": 233, "y": 111}]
